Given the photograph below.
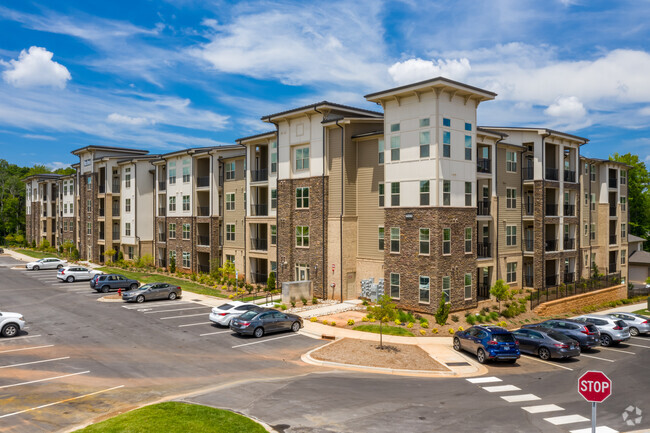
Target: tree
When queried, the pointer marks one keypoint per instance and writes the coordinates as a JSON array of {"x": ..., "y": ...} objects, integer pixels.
[
  {"x": 270, "y": 282},
  {"x": 500, "y": 291},
  {"x": 67, "y": 248},
  {"x": 443, "y": 312},
  {"x": 384, "y": 311},
  {"x": 638, "y": 194},
  {"x": 109, "y": 255},
  {"x": 172, "y": 264}
]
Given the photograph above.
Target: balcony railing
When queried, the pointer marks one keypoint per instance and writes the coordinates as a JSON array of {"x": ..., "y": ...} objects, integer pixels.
[
  {"x": 552, "y": 173},
  {"x": 528, "y": 172},
  {"x": 203, "y": 211},
  {"x": 569, "y": 210},
  {"x": 205, "y": 269},
  {"x": 162, "y": 211},
  {"x": 528, "y": 245},
  {"x": 116, "y": 236},
  {"x": 101, "y": 236},
  {"x": 528, "y": 280},
  {"x": 569, "y": 176},
  {"x": 484, "y": 249},
  {"x": 569, "y": 277},
  {"x": 484, "y": 165},
  {"x": 203, "y": 240},
  {"x": 551, "y": 209},
  {"x": 483, "y": 207},
  {"x": 102, "y": 212},
  {"x": 259, "y": 210},
  {"x": 102, "y": 189},
  {"x": 612, "y": 268},
  {"x": 258, "y": 244},
  {"x": 162, "y": 263},
  {"x": 202, "y": 181},
  {"x": 115, "y": 188},
  {"x": 551, "y": 245},
  {"x": 551, "y": 280},
  {"x": 259, "y": 175},
  {"x": 612, "y": 183},
  {"x": 612, "y": 210},
  {"x": 115, "y": 211},
  {"x": 258, "y": 277},
  {"x": 529, "y": 208},
  {"x": 162, "y": 237},
  {"x": 612, "y": 239},
  {"x": 162, "y": 185},
  {"x": 569, "y": 244}
]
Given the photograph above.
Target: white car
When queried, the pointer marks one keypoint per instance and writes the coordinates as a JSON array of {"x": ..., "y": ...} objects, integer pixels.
[
  {"x": 223, "y": 314},
  {"x": 48, "y": 263},
  {"x": 71, "y": 274},
  {"x": 11, "y": 324}
]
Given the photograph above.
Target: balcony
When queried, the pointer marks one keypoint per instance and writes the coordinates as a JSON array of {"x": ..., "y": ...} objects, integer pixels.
[
  {"x": 102, "y": 189},
  {"x": 528, "y": 173},
  {"x": 258, "y": 244},
  {"x": 551, "y": 280},
  {"x": 162, "y": 237},
  {"x": 483, "y": 208},
  {"x": 259, "y": 175},
  {"x": 552, "y": 174},
  {"x": 569, "y": 244},
  {"x": 612, "y": 239},
  {"x": 484, "y": 165},
  {"x": 203, "y": 211},
  {"x": 612, "y": 268},
  {"x": 529, "y": 209},
  {"x": 612, "y": 210},
  {"x": 551, "y": 245},
  {"x": 205, "y": 269},
  {"x": 528, "y": 245},
  {"x": 259, "y": 210},
  {"x": 203, "y": 240},
  {"x": 116, "y": 211},
  {"x": 484, "y": 249},
  {"x": 102, "y": 212},
  {"x": 162, "y": 185},
  {"x": 161, "y": 211},
  {"x": 528, "y": 280},
  {"x": 202, "y": 181},
  {"x": 569, "y": 277},
  {"x": 551, "y": 209},
  {"x": 569, "y": 210},
  {"x": 258, "y": 278},
  {"x": 101, "y": 236},
  {"x": 116, "y": 188},
  {"x": 162, "y": 263},
  {"x": 569, "y": 176},
  {"x": 116, "y": 236},
  {"x": 612, "y": 182}
]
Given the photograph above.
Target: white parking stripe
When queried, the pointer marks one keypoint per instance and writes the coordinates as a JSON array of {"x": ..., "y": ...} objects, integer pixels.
[
  {"x": 546, "y": 362},
  {"x": 164, "y": 304},
  {"x": 484, "y": 379},
  {"x": 599, "y": 429},
  {"x": 641, "y": 338},
  {"x": 180, "y": 317},
  {"x": 34, "y": 362},
  {"x": 60, "y": 401},
  {"x": 542, "y": 408},
  {"x": 501, "y": 388},
  {"x": 616, "y": 350},
  {"x": 195, "y": 324},
  {"x": 519, "y": 398},
  {"x": 20, "y": 338},
  {"x": 638, "y": 345},
  {"x": 215, "y": 333},
  {"x": 595, "y": 357},
  {"x": 263, "y": 341},
  {"x": 566, "y": 419},
  {"x": 177, "y": 309},
  {"x": 26, "y": 348},
  {"x": 44, "y": 380}
]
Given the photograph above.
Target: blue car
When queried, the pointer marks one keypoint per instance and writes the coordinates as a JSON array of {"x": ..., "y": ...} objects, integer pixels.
[{"x": 488, "y": 343}]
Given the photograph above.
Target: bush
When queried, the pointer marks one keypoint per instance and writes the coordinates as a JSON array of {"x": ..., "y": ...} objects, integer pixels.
[
  {"x": 332, "y": 323},
  {"x": 120, "y": 256},
  {"x": 313, "y": 319},
  {"x": 443, "y": 312},
  {"x": 434, "y": 331},
  {"x": 304, "y": 301},
  {"x": 410, "y": 325},
  {"x": 314, "y": 300},
  {"x": 172, "y": 264},
  {"x": 350, "y": 322},
  {"x": 364, "y": 319},
  {"x": 45, "y": 244},
  {"x": 270, "y": 282},
  {"x": 451, "y": 330},
  {"x": 460, "y": 328},
  {"x": 324, "y": 322},
  {"x": 283, "y": 307},
  {"x": 423, "y": 320},
  {"x": 365, "y": 303},
  {"x": 398, "y": 322},
  {"x": 293, "y": 304},
  {"x": 75, "y": 254},
  {"x": 494, "y": 315},
  {"x": 471, "y": 319},
  {"x": 423, "y": 332},
  {"x": 425, "y": 325},
  {"x": 454, "y": 318}
]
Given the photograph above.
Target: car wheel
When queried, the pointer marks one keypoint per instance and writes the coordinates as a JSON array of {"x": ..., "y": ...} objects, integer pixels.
[
  {"x": 105, "y": 289},
  {"x": 634, "y": 332},
  {"x": 295, "y": 326},
  {"x": 10, "y": 330},
  {"x": 480, "y": 356},
  {"x": 258, "y": 332},
  {"x": 133, "y": 286},
  {"x": 457, "y": 344},
  {"x": 70, "y": 279},
  {"x": 605, "y": 340},
  {"x": 172, "y": 296},
  {"x": 544, "y": 353},
  {"x": 36, "y": 268},
  {"x": 59, "y": 266},
  {"x": 139, "y": 299}
]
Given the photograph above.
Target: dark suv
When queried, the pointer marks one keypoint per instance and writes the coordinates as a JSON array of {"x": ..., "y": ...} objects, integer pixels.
[
  {"x": 488, "y": 343},
  {"x": 108, "y": 282},
  {"x": 584, "y": 333}
]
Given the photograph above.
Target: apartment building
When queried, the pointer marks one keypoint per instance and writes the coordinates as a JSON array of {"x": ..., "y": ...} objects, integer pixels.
[
  {"x": 41, "y": 208},
  {"x": 66, "y": 221}
]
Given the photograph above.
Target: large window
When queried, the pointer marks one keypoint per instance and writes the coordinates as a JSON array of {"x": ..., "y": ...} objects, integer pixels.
[
  {"x": 230, "y": 232},
  {"x": 381, "y": 239},
  {"x": 468, "y": 126},
  {"x": 394, "y": 194},
  {"x": 593, "y": 201},
  {"x": 446, "y": 144},
  {"x": 446, "y": 289},
  {"x": 446, "y": 122},
  {"x": 172, "y": 230},
  {"x": 623, "y": 203},
  {"x": 187, "y": 261},
  {"x": 468, "y": 193},
  {"x": 274, "y": 234},
  {"x": 127, "y": 205},
  {"x": 468, "y": 239},
  {"x": 274, "y": 198},
  {"x": 394, "y": 285},
  {"x": 302, "y": 272},
  {"x": 186, "y": 170},
  {"x": 230, "y": 170},
  {"x": 186, "y": 231},
  {"x": 302, "y": 198},
  {"x": 468, "y": 148},
  {"x": 424, "y": 193},
  {"x": 127, "y": 178},
  {"x": 424, "y": 242},
  {"x": 127, "y": 229},
  {"x": 394, "y": 148},
  {"x": 230, "y": 258},
  {"x": 172, "y": 204},
  {"x": 172, "y": 173},
  {"x": 302, "y": 236},
  {"x": 230, "y": 201},
  {"x": 623, "y": 231},
  {"x": 623, "y": 254},
  {"x": 511, "y": 235},
  {"x": 623, "y": 177},
  {"x": 593, "y": 231},
  {"x": 446, "y": 241},
  {"x": 186, "y": 202},
  {"x": 592, "y": 172},
  {"x": 424, "y": 289},
  {"x": 394, "y": 239},
  {"x": 381, "y": 151},
  {"x": 446, "y": 193},
  {"x": 511, "y": 272},
  {"x": 468, "y": 286},
  {"x": 274, "y": 156},
  {"x": 425, "y": 141},
  {"x": 89, "y": 228},
  {"x": 302, "y": 158},
  {"x": 511, "y": 198},
  {"x": 381, "y": 195},
  {"x": 89, "y": 205},
  {"x": 511, "y": 161}
]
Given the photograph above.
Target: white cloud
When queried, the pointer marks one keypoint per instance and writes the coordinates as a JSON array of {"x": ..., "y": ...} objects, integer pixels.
[
  {"x": 210, "y": 22},
  {"x": 55, "y": 165},
  {"x": 645, "y": 111},
  {"x": 39, "y": 137},
  {"x": 413, "y": 70},
  {"x": 36, "y": 68},
  {"x": 566, "y": 107},
  {"x": 128, "y": 120}
]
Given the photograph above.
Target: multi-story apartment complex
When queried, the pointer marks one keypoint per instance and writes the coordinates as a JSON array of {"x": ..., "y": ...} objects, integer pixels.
[
  {"x": 41, "y": 201},
  {"x": 418, "y": 194}
]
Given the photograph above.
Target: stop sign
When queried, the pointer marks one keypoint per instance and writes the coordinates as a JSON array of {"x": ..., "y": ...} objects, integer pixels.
[{"x": 594, "y": 386}]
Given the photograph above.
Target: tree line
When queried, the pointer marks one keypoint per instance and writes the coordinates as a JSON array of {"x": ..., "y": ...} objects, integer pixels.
[{"x": 638, "y": 195}]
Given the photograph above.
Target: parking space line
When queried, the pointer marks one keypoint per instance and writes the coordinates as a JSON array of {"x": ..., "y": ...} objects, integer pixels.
[
  {"x": 177, "y": 309},
  {"x": 641, "y": 338},
  {"x": 595, "y": 357},
  {"x": 20, "y": 338},
  {"x": 599, "y": 429},
  {"x": 44, "y": 380},
  {"x": 34, "y": 362},
  {"x": 546, "y": 362},
  {"x": 519, "y": 398},
  {"x": 637, "y": 345},
  {"x": 616, "y": 350},
  {"x": 542, "y": 408},
  {"x": 195, "y": 324},
  {"x": 566, "y": 419},
  {"x": 264, "y": 341},
  {"x": 27, "y": 348},
  {"x": 137, "y": 306},
  {"x": 60, "y": 401},
  {"x": 501, "y": 388},
  {"x": 180, "y": 317},
  {"x": 484, "y": 379},
  {"x": 215, "y": 333}
]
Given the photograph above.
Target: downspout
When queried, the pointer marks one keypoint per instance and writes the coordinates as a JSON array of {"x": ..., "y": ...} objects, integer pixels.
[
  {"x": 579, "y": 215},
  {"x": 342, "y": 204},
  {"x": 211, "y": 210},
  {"x": 324, "y": 262}
]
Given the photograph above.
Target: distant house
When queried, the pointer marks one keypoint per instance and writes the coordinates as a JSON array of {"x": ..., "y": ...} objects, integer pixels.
[{"x": 639, "y": 260}]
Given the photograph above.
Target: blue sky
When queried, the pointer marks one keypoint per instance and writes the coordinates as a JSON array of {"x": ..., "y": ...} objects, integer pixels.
[{"x": 165, "y": 75}]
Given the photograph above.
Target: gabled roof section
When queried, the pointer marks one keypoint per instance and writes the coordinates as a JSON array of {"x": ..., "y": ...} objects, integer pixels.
[
  {"x": 120, "y": 150},
  {"x": 640, "y": 257},
  {"x": 632, "y": 238},
  {"x": 42, "y": 176},
  {"x": 540, "y": 131},
  {"x": 322, "y": 106},
  {"x": 604, "y": 161},
  {"x": 434, "y": 84},
  {"x": 268, "y": 134}
]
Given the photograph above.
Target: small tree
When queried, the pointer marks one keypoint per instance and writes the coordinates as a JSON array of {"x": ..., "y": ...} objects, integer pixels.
[
  {"x": 172, "y": 264},
  {"x": 443, "y": 312},
  {"x": 146, "y": 260},
  {"x": 500, "y": 291},
  {"x": 270, "y": 282},
  {"x": 384, "y": 311},
  {"x": 120, "y": 256},
  {"x": 75, "y": 254},
  {"x": 67, "y": 248},
  {"x": 45, "y": 244},
  {"x": 109, "y": 255}
]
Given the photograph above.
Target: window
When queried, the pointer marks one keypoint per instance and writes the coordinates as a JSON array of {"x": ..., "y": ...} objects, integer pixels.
[
  {"x": 127, "y": 205},
  {"x": 511, "y": 198},
  {"x": 89, "y": 205},
  {"x": 274, "y": 267},
  {"x": 446, "y": 122},
  {"x": 381, "y": 151},
  {"x": 230, "y": 170},
  {"x": 302, "y": 158},
  {"x": 425, "y": 140},
  {"x": 446, "y": 193},
  {"x": 593, "y": 231},
  {"x": 274, "y": 234},
  {"x": 89, "y": 228},
  {"x": 586, "y": 260},
  {"x": 186, "y": 231},
  {"x": 424, "y": 242},
  {"x": 446, "y": 144},
  {"x": 230, "y": 232},
  {"x": 586, "y": 228},
  {"x": 586, "y": 199},
  {"x": 623, "y": 177},
  {"x": 394, "y": 194},
  {"x": 394, "y": 147},
  {"x": 274, "y": 156},
  {"x": 511, "y": 235},
  {"x": 623, "y": 203},
  {"x": 186, "y": 173},
  {"x": 622, "y": 253},
  {"x": 468, "y": 239},
  {"x": 172, "y": 172},
  {"x": 593, "y": 201},
  {"x": 172, "y": 230},
  {"x": 468, "y": 286},
  {"x": 394, "y": 239},
  {"x": 468, "y": 126},
  {"x": 302, "y": 236},
  {"x": 65, "y": 226},
  {"x": 129, "y": 252},
  {"x": 511, "y": 272},
  {"x": 172, "y": 204},
  {"x": 127, "y": 177},
  {"x": 274, "y": 198},
  {"x": 446, "y": 241},
  {"x": 302, "y": 198},
  {"x": 511, "y": 161},
  {"x": 127, "y": 229},
  {"x": 302, "y": 272},
  {"x": 381, "y": 239},
  {"x": 468, "y": 193},
  {"x": 381, "y": 195},
  {"x": 394, "y": 127},
  {"x": 623, "y": 231},
  {"x": 230, "y": 258},
  {"x": 394, "y": 285},
  {"x": 592, "y": 172},
  {"x": 424, "y": 193},
  {"x": 186, "y": 202},
  {"x": 186, "y": 260},
  {"x": 468, "y": 148},
  {"x": 230, "y": 201},
  {"x": 424, "y": 288},
  {"x": 446, "y": 289},
  {"x": 89, "y": 182},
  {"x": 424, "y": 123}
]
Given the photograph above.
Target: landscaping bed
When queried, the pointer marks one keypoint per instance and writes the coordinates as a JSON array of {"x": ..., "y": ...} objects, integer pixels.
[{"x": 367, "y": 353}]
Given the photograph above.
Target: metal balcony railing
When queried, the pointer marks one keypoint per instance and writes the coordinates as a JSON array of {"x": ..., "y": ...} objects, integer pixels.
[
  {"x": 101, "y": 236},
  {"x": 116, "y": 236},
  {"x": 612, "y": 210},
  {"x": 259, "y": 210},
  {"x": 116, "y": 188},
  {"x": 483, "y": 207},
  {"x": 529, "y": 209},
  {"x": 528, "y": 173},
  {"x": 162, "y": 237},
  {"x": 484, "y": 165},
  {"x": 162, "y": 185},
  {"x": 258, "y": 277},
  {"x": 569, "y": 176},
  {"x": 569, "y": 277},
  {"x": 551, "y": 280},
  {"x": 115, "y": 211},
  {"x": 259, "y": 244},
  {"x": 569, "y": 243},
  {"x": 484, "y": 249},
  {"x": 612, "y": 182},
  {"x": 162, "y": 263},
  {"x": 102, "y": 212},
  {"x": 259, "y": 175},
  {"x": 528, "y": 280},
  {"x": 528, "y": 245},
  {"x": 162, "y": 211},
  {"x": 203, "y": 211},
  {"x": 569, "y": 210},
  {"x": 551, "y": 209},
  {"x": 612, "y": 239},
  {"x": 202, "y": 181},
  {"x": 205, "y": 269},
  {"x": 551, "y": 245},
  {"x": 552, "y": 174},
  {"x": 203, "y": 240},
  {"x": 102, "y": 189},
  {"x": 612, "y": 268}
]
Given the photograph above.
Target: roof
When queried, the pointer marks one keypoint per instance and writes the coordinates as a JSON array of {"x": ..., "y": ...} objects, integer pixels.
[
  {"x": 137, "y": 158},
  {"x": 117, "y": 149},
  {"x": 610, "y": 161},
  {"x": 632, "y": 238},
  {"x": 487, "y": 131},
  {"x": 641, "y": 257},
  {"x": 251, "y": 137},
  {"x": 433, "y": 82},
  {"x": 531, "y": 128},
  {"x": 44, "y": 176},
  {"x": 323, "y": 104},
  {"x": 369, "y": 134}
]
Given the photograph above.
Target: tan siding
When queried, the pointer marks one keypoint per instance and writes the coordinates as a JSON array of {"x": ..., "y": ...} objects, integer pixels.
[
  {"x": 235, "y": 216},
  {"x": 334, "y": 170},
  {"x": 371, "y": 216},
  {"x": 508, "y": 216}
]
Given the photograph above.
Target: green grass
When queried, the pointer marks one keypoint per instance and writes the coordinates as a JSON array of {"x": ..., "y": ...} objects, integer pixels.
[
  {"x": 173, "y": 417},
  {"x": 35, "y": 254},
  {"x": 386, "y": 330},
  {"x": 645, "y": 312}
]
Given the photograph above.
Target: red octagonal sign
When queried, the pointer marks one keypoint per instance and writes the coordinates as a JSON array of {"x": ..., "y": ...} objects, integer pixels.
[{"x": 594, "y": 386}]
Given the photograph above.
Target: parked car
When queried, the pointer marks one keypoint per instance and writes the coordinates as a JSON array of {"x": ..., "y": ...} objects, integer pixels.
[
  {"x": 152, "y": 291},
  {"x": 546, "y": 343},
  {"x": 612, "y": 330},
  {"x": 262, "y": 321},
  {"x": 71, "y": 274},
  {"x": 585, "y": 334},
  {"x": 488, "y": 343},
  {"x": 107, "y": 282},
  {"x": 11, "y": 324},
  {"x": 223, "y": 314},
  {"x": 638, "y": 323},
  {"x": 47, "y": 263}
]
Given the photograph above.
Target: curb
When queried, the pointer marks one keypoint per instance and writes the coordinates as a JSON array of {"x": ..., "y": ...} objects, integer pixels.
[{"x": 107, "y": 299}]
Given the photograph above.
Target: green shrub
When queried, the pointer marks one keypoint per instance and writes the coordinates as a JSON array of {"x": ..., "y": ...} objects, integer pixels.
[
  {"x": 471, "y": 319},
  {"x": 425, "y": 325},
  {"x": 283, "y": 307},
  {"x": 423, "y": 320},
  {"x": 313, "y": 319},
  {"x": 351, "y": 322},
  {"x": 410, "y": 325},
  {"x": 304, "y": 301},
  {"x": 454, "y": 318},
  {"x": 75, "y": 254},
  {"x": 270, "y": 282},
  {"x": 494, "y": 315},
  {"x": 172, "y": 265},
  {"x": 443, "y": 312},
  {"x": 314, "y": 300},
  {"x": 120, "y": 256},
  {"x": 293, "y": 304}
]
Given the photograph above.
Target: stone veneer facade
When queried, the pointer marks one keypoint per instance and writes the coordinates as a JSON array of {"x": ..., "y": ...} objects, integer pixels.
[
  {"x": 90, "y": 242},
  {"x": 33, "y": 223}
]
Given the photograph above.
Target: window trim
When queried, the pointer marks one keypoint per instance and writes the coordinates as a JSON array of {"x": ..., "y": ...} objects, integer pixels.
[
  {"x": 398, "y": 240},
  {"x": 230, "y": 204},
  {"x": 426, "y": 241},
  {"x": 302, "y": 236},
  {"x": 302, "y": 158},
  {"x": 428, "y": 290},
  {"x": 466, "y": 286},
  {"x": 511, "y": 238},
  {"x": 381, "y": 238},
  {"x": 231, "y": 233},
  {"x": 300, "y": 201},
  {"x": 468, "y": 240},
  {"x": 447, "y": 242},
  {"x": 446, "y": 291},
  {"x": 511, "y": 163},
  {"x": 391, "y": 285}
]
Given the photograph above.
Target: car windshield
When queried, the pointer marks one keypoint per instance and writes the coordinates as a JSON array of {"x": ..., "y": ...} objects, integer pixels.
[
  {"x": 248, "y": 315},
  {"x": 145, "y": 287},
  {"x": 559, "y": 337},
  {"x": 503, "y": 338}
]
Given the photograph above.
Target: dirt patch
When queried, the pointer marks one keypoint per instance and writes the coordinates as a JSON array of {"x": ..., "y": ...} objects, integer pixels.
[{"x": 363, "y": 352}]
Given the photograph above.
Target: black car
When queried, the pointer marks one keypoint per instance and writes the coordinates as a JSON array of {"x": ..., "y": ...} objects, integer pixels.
[
  {"x": 584, "y": 333},
  {"x": 546, "y": 343},
  {"x": 265, "y": 321},
  {"x": 106, "y": 282}
]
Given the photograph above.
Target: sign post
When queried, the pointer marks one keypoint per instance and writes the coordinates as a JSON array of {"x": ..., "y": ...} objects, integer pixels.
[{"x": 595, "y": 387}]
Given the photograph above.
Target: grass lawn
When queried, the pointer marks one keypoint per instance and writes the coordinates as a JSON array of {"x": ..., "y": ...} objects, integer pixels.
[
  {"x": 35, "y": 254},
  {"x": 174, "y": 417},
  {"x": 386, "y": 330},
  {"x": 645, "y": 312}
]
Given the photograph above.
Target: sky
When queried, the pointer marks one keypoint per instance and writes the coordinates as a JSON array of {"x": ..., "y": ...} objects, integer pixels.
[{"x": 164, "y": 75}]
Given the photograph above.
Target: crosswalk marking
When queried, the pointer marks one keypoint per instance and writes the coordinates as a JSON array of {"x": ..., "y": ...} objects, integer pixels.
[
  {"x": 542, "y": 408},
  {"x": 566, "y": 419},
  {"x": 484, "y": 379},
  {"x": 501, "y": 388},
  {"x": 520, "y": 398},
  {"x": 599, "y": 429}
]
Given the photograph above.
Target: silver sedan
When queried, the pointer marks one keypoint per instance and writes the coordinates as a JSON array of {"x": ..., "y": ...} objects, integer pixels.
[{"x": 638, "y": 324}]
